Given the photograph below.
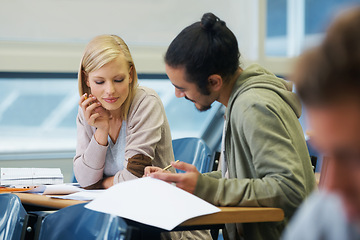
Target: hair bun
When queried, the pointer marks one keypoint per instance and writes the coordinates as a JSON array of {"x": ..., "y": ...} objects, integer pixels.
[{"x": 208, "y": 21}]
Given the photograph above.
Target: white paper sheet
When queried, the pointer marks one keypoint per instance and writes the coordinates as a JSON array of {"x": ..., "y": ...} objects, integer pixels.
[
  {"x": 86, "y": 195},
  {"x": 151, "y": 201},
  {"x": 61, "y": 189},
  {"x": 55, "y": 189}
]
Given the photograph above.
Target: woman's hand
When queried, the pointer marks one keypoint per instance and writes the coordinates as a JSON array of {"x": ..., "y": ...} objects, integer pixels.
[
  {"x": 108, "y": 182},
  {"x": 104, "y": 183},
  {"x": 96, "y": 116},
  {"x": 94, "y": 113}
]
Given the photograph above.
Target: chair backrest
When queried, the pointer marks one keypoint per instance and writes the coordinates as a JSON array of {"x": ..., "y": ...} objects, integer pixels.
[
  {"x": 74, "y": 180},
  {"x": 193, "y": 151},
  {"x": 78, "y": 222},
  {"x": 315, "y": 157},
  {"x": 12, "y": 217}
]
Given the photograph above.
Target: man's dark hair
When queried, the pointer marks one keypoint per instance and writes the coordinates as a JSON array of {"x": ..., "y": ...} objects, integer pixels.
[
  {"x": 204, "y": 48},
  {"x": 331, "y": 71}
]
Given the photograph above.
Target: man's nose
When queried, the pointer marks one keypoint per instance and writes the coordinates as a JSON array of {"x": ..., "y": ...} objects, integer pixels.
[{"x": 179, "y": 93}]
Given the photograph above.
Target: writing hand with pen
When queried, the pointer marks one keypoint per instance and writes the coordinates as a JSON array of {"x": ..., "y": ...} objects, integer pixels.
[{"x": 186, "y": 181}]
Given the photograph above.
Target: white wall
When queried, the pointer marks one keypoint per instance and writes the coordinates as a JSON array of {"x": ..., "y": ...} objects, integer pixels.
[{"x": 50, "y": 35}]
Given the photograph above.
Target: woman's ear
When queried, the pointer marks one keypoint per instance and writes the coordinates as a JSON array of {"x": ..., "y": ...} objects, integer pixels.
[
  {"x": 131, "y": 73},
  {"x": 85, "y": 78},
  {"x": 215, "y": 82}
]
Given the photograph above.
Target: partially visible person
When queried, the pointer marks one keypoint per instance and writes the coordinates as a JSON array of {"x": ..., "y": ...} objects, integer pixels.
[
  {"x": 266, "y": 161},
  {"x": 121, "y": 127},
  {"x": 328, "y": 81}
]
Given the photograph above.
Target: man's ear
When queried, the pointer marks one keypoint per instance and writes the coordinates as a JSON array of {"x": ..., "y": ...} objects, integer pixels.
[{"x": 215, "y": 82}]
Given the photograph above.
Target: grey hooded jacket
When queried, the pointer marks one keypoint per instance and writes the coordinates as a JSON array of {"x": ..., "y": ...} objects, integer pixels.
[{"x": 265, "y": 152}]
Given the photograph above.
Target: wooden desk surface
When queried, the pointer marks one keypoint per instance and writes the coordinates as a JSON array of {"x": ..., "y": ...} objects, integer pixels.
[
  {"x": 45, "y": 201},
  {"x": 226, "y": 215},
  {"x": 238, "y": 215}
]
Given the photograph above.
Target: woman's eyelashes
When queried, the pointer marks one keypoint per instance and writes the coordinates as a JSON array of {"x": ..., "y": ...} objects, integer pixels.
[{"x": 115, "y": 80}]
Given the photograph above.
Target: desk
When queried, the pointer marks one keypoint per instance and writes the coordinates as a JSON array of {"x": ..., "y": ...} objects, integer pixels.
[
  {"x": 226, "y": 215},
  {"x": 213, "y": 221},
  {"x": 44, "y": 201}
]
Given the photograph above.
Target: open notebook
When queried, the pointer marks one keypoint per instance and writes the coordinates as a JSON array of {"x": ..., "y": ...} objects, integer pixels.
[{"x": 30, "y": 176}]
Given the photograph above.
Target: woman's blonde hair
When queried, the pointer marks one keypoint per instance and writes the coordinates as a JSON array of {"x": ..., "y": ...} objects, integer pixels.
[{"x": 100, "y": 51}]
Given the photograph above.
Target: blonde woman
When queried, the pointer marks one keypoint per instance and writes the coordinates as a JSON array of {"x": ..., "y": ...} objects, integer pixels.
[{"x": 121, "y": 127}]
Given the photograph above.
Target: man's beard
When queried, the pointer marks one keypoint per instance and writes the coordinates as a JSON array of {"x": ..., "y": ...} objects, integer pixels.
[{"x": 202, "y": 108}]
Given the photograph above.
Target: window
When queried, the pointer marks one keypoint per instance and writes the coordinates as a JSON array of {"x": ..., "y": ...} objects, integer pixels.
[
  {"x": 294, "y": 25},
  {"x": 38, "y": 116}
]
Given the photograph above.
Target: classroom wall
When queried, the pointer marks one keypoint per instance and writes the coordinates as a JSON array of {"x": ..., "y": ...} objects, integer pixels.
[{"x": 50, "y": 35}]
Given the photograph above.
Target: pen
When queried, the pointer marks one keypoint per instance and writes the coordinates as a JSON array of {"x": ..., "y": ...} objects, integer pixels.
[{"x": 166, "y": 168}]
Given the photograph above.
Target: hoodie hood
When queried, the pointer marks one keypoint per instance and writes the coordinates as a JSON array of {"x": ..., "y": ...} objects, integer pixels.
[{"x": 256, "y": 76}]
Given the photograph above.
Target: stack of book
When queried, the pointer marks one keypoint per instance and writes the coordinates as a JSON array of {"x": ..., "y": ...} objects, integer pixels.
[{"x": 30, "y": 176}]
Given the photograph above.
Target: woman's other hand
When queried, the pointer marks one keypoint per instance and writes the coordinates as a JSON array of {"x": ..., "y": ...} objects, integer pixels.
[
  {"x": 108, "y": 182},
  {"x": 104, "y": 183}
]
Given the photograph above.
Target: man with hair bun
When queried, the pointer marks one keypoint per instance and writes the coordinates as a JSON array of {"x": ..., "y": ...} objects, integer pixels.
[
  {"x": 328, "y": 81},
  {"x": 265, "y": 159}
]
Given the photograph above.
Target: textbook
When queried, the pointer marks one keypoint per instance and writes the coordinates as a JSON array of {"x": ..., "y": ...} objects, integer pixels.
[{"x": 30, "y": 176}]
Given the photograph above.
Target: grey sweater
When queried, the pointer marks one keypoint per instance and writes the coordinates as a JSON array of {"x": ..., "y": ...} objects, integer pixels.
[{"x": 147, "y": 133}]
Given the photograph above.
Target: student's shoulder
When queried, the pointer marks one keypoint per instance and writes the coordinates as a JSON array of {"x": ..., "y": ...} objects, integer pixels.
[
  {"x": 315, "y": 217},
  {"x": 145, "y": 92},
  {"x": 145, "y": 98},
  {"x": 248, "y": 101}
]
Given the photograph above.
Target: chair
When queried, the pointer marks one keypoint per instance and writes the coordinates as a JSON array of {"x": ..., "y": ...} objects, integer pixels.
[
  {"x": 314, "y": 156},
  {"x": 78, "y": 222},
  {"x": 193, "y": 151},
  {"x": 74, "y": 180},
  {"x": 12, "y": 217},
  {"x": 196, "y": 152}
]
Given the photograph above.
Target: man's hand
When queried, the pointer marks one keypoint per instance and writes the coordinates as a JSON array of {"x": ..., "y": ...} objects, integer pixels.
[
  {"x": 152, "y": 169},
  {"x": 186, "y": 181}
]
